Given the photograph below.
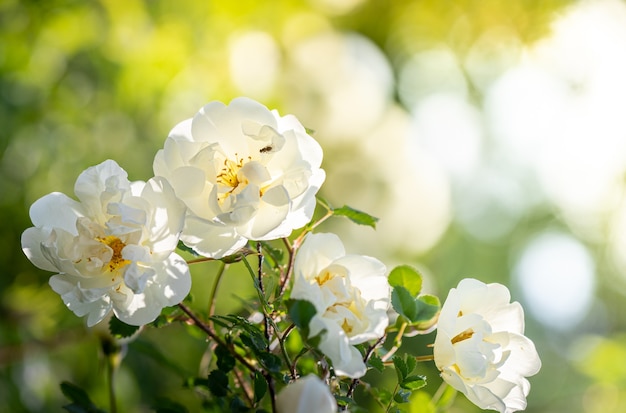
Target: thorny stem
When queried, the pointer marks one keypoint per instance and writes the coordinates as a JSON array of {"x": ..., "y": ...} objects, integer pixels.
[
  {"x": 292, "y": 256},
  {"x": 281, "y": 342},
  {"x": 209, "y": 331},
  {"x": 266, "y": 317}
]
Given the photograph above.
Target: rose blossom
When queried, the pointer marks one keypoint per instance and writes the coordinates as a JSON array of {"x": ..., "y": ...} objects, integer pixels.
[
  {"x": 244, "y": 172},
  {"x": 306, "y": 395},
  {"x": 112, "y": 249},
  {"x": 481, "y": 349},
  {"x": 350, "y": 294}
]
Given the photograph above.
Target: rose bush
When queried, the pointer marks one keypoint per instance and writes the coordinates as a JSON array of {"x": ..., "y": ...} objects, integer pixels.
[
  {"x": 112, "y": 249},
  {"x": 480, "y": 347},
  {"x": 350, "y": 294},
  {"x": 244, "y": 172}
]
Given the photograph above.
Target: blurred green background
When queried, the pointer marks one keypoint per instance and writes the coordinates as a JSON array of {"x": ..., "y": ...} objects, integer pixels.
[{"x": 488, "y": 136}]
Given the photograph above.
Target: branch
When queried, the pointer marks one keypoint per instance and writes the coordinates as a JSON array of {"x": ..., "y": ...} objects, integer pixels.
[{"x": 209, "y": 331}]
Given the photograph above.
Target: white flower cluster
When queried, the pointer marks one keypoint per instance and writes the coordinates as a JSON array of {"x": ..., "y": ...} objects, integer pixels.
[{"x": 238, "y": 173}]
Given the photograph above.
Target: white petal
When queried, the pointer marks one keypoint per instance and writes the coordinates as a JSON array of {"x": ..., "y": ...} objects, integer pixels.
[
  {"x": 100, "y": 184},
  {"x": 524, "y": 360},
  {"x": 211, "y": 239},
  {"x": 56, "y": 210},
  {"x": 169, "y": 286},
  {"x": 306, "y": 395},
  {"x": 317, "y": 252},
  {"x": 346, "y": 359},
  {"x": 95, "y": 303},
  {"x": 273, "y": 210},
  {"x": 32, "y": 239},
  {"x": 368, "y": 275},
  {"x": 167, "y": 215}
]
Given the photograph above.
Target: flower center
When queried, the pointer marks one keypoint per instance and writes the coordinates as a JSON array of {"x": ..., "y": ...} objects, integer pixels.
[
  {"x": 228, "y": 174},
  {"x": 117, "y": 246},
  {"x": 324, "y": 277},
  {"x": 230, "y": 178},
  {"x": 464, "y": 335}
]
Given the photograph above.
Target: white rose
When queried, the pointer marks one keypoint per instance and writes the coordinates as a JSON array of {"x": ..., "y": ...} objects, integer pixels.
[
  {"x": 244, "y": 172},
  {"x": 113, "y": 250},
  {"x": 350, "y": 294},
  {"x": 306, "y": 395},
  {"x": 481, "y": 349}
]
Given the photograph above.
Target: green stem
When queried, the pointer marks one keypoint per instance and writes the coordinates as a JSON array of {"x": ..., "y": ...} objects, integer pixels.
[
  {"x": 218, "y": 278},
  {"x": 292, "y": 255},
  {"x": 395, "y": 389},
  {"x": 198, "y": 260}
]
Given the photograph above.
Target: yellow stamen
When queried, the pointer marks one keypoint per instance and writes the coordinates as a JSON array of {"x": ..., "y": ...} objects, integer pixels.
[
  {"x": 117, "y": 246},
  {"x": 346, "y": 327},
  {"x": 323, "y": 278},
  {"x": 463, "y": 336},
  {"x": 228, "y": 174}
]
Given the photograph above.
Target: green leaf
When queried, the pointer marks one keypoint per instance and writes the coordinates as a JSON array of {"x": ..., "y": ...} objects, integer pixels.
[
  {"x": 253, "y": 342},
  {"x": 407, "y": 277},
  {"x": 404, "y": 303},
  {"x": 428, "y": 307},
  {"x": 119, "y": 329},
  {"x": 81, "y": 401},
  {"x": 301, "y": 312},
  {"x": 225, "y": 360},
  {"x": 276, "y": 254},
  {"x": 376, "y": 362},
  {"x": 344, "y": 401},
  {"x": 260, "y": 386},
  {"x": 402, "y": 370},
  {"x": 253, "y": 338},
  {"x": 356, "y": 216},
  {"x": 411, "y": 363},
  {"x": 218, "y": 383},
  {"x": 413, "y": 382},
  {"x": 415, "y": 310},
  {"x": 270, "y": 361}
]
